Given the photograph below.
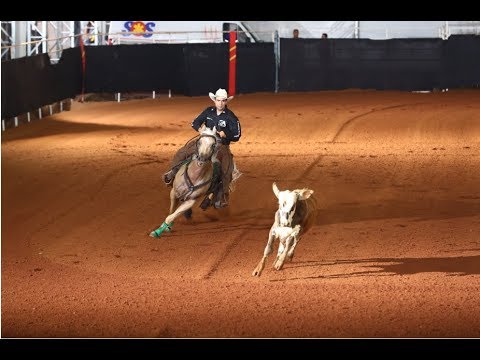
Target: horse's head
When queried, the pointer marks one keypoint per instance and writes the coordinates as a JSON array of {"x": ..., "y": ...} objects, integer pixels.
[{"x": 206, "y": 143}]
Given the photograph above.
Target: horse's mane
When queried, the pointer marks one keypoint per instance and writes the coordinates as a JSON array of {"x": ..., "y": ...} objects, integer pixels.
[{"x": 208, "y": 131}]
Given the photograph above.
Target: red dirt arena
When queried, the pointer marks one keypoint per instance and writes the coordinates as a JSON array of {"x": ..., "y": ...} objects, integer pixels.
[{"x": 394, "y": 253}]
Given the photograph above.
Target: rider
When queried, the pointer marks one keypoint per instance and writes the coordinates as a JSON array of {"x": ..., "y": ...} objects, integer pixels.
[{"x": 228, "y": 129}]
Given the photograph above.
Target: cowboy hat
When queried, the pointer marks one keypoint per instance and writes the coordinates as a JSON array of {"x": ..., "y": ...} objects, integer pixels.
[{"x": 220, "y": 94}]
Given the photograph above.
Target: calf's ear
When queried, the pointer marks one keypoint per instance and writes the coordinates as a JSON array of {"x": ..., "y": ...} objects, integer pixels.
[
  {"x": 275, "y": 189},
  {"x": 304, "y": 194}
]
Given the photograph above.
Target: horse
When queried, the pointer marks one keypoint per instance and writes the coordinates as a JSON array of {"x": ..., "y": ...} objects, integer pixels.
[{"x": 193, "y": 180}]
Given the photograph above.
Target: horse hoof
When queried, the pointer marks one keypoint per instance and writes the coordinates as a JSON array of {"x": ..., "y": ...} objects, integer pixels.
[
  {"x": 205, "y": 203},
  {"x": 156, "y": 233}
]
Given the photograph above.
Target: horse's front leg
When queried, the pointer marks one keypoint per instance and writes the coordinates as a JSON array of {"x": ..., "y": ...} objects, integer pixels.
[
  {"x": 187, "y": 204},
  {"x": 168, "y": 223},
  {"x": 173, "y": 201}
]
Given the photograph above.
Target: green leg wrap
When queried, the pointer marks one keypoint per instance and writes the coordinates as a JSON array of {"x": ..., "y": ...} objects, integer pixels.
[{"x": 156, "y": 233}]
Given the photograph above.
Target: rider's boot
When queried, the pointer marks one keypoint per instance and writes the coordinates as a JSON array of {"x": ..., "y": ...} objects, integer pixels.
[{"x": 169, "y": 176}]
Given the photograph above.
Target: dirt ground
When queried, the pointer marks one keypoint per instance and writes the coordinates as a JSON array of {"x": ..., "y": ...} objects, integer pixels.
[{"x": 395, "y": 251}]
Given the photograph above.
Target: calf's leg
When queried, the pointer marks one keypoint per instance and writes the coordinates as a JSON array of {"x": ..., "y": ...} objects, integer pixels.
[{"x": 268, "y": 250}]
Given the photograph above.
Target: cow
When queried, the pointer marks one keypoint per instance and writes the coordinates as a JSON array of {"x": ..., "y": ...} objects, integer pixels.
[{"x": 295, "y": 216}]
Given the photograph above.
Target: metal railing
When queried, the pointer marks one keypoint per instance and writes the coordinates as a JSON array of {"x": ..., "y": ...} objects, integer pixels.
[{"x": 26, "y": 38}]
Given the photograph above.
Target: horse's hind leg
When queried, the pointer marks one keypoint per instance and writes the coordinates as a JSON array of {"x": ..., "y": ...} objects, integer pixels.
[{"x": 188, "y": 214}]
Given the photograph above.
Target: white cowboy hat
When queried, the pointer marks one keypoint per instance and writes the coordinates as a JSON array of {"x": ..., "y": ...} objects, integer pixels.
[{"x": 220, "y": 94}]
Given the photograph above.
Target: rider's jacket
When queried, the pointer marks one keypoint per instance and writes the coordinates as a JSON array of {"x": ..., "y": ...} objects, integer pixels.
[{"x": 227, "y": 122}]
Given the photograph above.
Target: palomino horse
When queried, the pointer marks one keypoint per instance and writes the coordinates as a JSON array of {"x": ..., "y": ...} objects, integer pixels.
[{"x": 192, "y": 180}]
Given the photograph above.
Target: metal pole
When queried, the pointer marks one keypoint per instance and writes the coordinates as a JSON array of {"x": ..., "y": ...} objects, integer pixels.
[
  {"x": 232, "y": 63},
  {"x": 276, "y": 50}
]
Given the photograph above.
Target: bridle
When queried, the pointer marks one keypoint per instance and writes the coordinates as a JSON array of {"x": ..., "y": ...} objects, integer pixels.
[
  {"x": 188, "y": 181},
  {"x": 197, "y": 154}
]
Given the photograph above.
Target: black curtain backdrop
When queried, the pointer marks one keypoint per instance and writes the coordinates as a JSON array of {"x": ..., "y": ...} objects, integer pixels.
[
  {"x": 206, "y": 68},
  {"x": 463, "y": 61},
  {"x": 333, "y": 64},
  {"x": 195, "y": 69},
  {"x": 255, "y": 68},
  {"x": 127, "y": 68},
  {"x": 31, "y": 82}
]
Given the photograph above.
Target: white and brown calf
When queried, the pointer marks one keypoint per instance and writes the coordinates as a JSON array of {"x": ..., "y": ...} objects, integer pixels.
[{"x": 295, "y": 215}]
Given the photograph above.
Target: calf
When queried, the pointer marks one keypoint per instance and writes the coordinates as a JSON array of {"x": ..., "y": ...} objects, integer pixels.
[{"x": 295, "y": 215}]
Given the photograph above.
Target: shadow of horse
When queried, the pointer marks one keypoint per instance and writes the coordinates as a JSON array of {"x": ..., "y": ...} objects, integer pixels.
[{"x": 193, "y": 180}]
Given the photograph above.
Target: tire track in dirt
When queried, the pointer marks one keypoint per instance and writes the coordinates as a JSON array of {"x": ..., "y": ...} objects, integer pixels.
[
  {"x": 224, "y": 254},
  {"x": 115, "y": 172},
  {"x": 352, "y": 119},
  {"x": 207, "y": 229},
  {"x": 342, "y": 128}
]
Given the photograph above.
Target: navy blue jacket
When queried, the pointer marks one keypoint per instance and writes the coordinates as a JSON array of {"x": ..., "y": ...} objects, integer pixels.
[{"x": 227, "y": 122}]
